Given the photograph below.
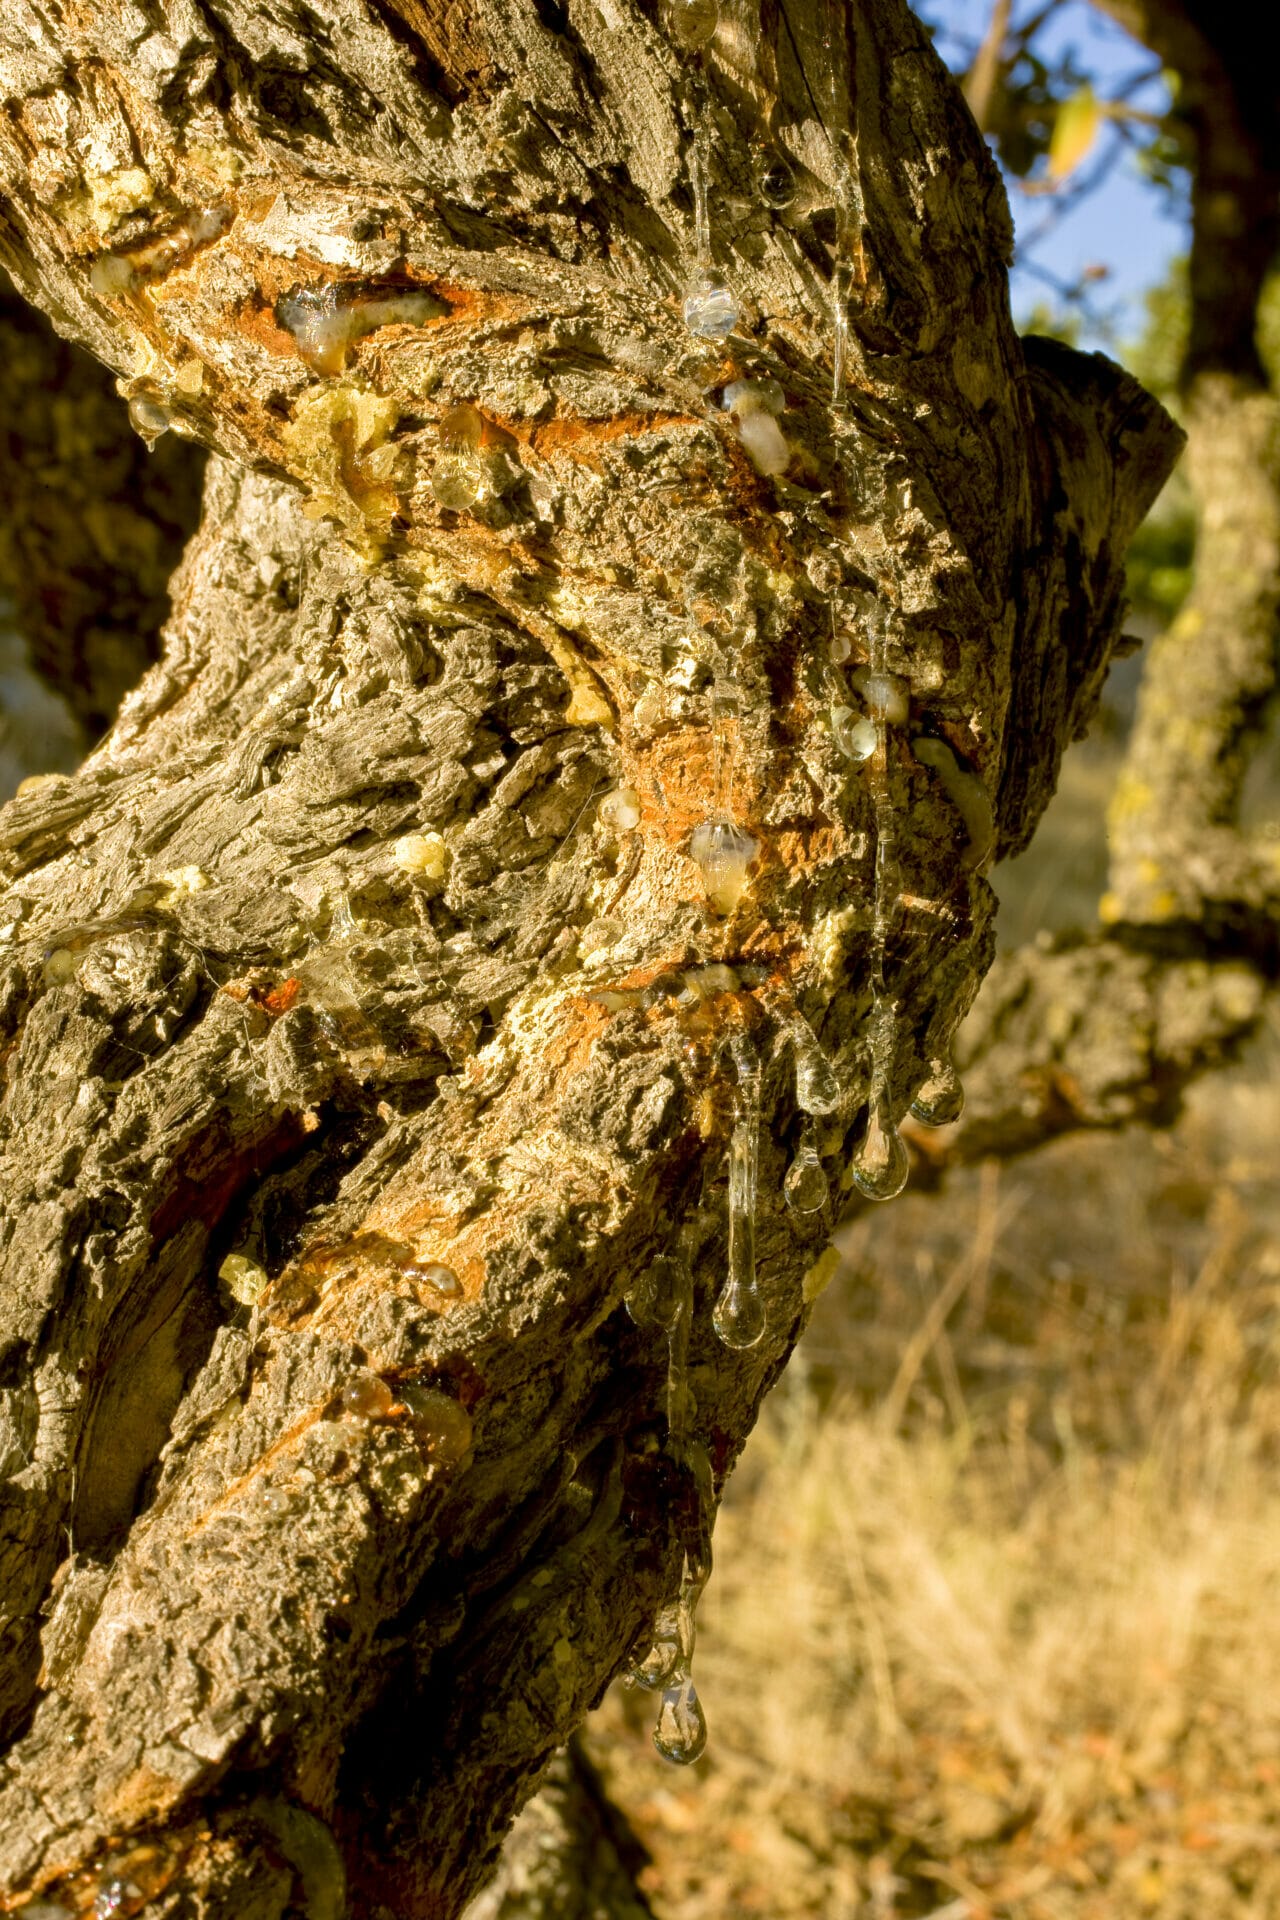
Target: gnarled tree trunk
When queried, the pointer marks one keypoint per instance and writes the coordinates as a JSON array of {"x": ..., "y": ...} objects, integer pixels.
[{"x": 326, "y": 961}]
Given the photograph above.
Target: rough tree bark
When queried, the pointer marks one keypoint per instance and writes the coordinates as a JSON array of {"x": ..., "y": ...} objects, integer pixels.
[
  {"x": 262, "y": 1656},
  {"x": 1179, "y": 858}
]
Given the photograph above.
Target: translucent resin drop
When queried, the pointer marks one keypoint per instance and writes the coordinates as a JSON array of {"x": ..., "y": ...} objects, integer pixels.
[
  {"x": 805, "y": 1187},
  {"x": 692, "y": 23},
  {"x": 439, "y": 1423},
  {"x": 654, "y": 1299},
  {"x": 817, "y": 1089},
  {"x": 940, "y": 1101},
  {"x": 456, "y": 480},
  {"x": 888, "y": 697},
  {"x": 243, "y": 1278},
  {"x": 881, "y": 1164},
  {"x": 724, "y": 852},
  {"x": 681, "y": 1733},
  {"x": 767, "y": 446},
  {"x": 430, "y": 1273},
  {"x": 458, "y": 474},
  {"x": 854, "y": 734},
  {"x": 367, "y": 1397},
  {"x": 621, "y": 809},
  {"x": 672, "y": 1648},
  {"x": 739, "y": 1315},
  {"x": 710, "y": 309},
  {"x": 461, "y": 429},
  {"x": 775, "y": 181},
  {"x": 149, "y": 418}
]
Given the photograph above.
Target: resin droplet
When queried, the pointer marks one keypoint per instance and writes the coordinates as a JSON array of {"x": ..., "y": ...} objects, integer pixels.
[
  {"x": 775, "y": 181},
  {"x": 149, "y": 418},
  {"x": 753, "y": 396},
  {"x": 243, "y": 1278},
  {"x": 116, "y": 1897},
  {"x": 621, "y": 809},
  {"x": 767, "y": 446},
  {"x": 458, "y": 474},
  {"x": 817, "y": 1089},
  {"x": 754, "y": 404},
  {"x": 940, "y": 1101},
  {"x": 881, "y": 1164},
  {"x": 887, "y": 695},
  {"x": 430, "y": 1273},
  {"x": 805, "y": 1187},
  {"x": 692, "y": 23},
  {"x": 681, "y": 1733},
  {"x": 854, "y": 734},
  {"x": 461, "y": 429},
  {"x": 724, "y": 852},
  {"x": 456, "y": 480},
  {"x": 367, "y": 1397},
  {"x": 967, "y": 793},
  {"x": 654, "y": 1299},
  {"x": 326, "y": 322},
  {"x": 440, "y": 1425},
  {"x": 671, "y": 1651},
  {"x": 425, "y": 855},
  {"x": 739, "y": 1315},
  {"x": 59, "y": 966},
  {"x": 710, "y": 309}
]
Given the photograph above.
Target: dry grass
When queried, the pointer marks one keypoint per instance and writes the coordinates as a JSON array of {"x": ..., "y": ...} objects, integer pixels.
[{"x": 994, "y": 1628}]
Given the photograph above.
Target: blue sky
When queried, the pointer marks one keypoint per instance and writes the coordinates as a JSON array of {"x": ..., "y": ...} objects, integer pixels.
[{"x": 1127, "y": 226}]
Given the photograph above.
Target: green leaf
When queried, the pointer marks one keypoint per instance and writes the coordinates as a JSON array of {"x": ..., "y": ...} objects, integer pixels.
[{"x": 1075, "y": 128}]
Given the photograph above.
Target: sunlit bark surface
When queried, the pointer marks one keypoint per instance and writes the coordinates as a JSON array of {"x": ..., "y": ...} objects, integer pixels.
[{"x": 326, "y": 962}]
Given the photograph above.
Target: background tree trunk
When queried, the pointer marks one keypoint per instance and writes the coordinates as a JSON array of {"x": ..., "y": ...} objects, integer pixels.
[{"x": 279, "y": 1633}]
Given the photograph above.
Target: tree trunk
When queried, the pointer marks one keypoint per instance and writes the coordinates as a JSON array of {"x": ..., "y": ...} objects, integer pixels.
[
  {"x": 1179, "y": 860},
  {"x": 326, "y": 983}
]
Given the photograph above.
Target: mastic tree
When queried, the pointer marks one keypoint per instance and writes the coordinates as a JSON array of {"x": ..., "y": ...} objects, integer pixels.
[{"x": 369, "y": 1027}]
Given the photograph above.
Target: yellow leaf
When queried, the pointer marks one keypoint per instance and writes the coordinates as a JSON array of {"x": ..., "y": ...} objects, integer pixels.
[{"x": 1074, "y": 131}]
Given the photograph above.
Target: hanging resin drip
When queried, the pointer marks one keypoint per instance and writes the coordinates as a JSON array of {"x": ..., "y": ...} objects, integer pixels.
[
  {"x": 817, "y": 1089},
  {"x": 817, "y": 1092},
  {"x": 672, "y": 1647},
  {"x": 679, "y": 1396},
  {"x": 805, "y": 1187},
  {"x": 739, "y": 1316},
  {"x": 710, "y": 308},
  {"x": 681, "y": 1733},
  {"x": 848, "y": 268},
  {"x": 723, "y": 850},
  {"x": 840, "y": 280},
  {"x": 881, "y": 1165},
  {"x": 940, "y": 1101}
]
